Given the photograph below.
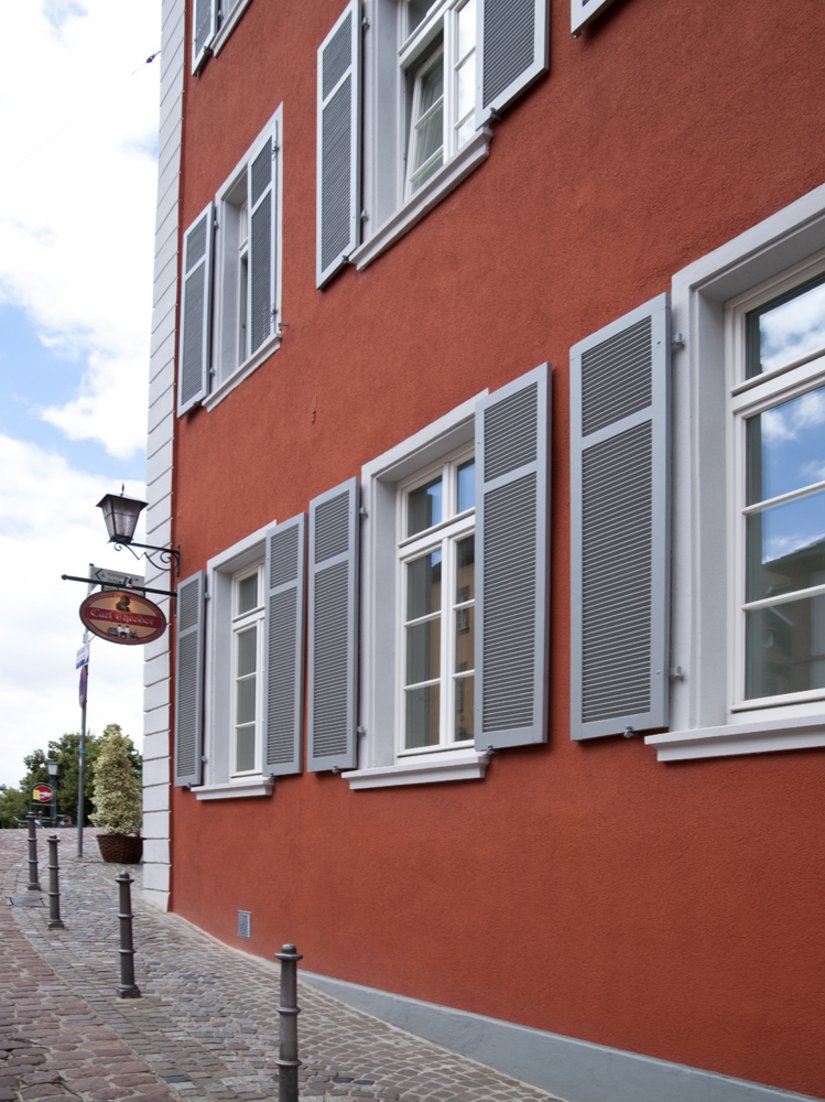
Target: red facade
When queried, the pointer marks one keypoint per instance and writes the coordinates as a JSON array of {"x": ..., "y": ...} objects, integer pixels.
[{"x": 580, "y": 888}]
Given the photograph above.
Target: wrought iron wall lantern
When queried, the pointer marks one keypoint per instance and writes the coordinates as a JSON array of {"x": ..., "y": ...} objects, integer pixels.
[{"x": 121, "y": 516}]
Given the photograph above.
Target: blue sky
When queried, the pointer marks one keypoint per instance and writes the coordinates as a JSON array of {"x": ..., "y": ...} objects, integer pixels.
[{"x": 78, "y": 127}]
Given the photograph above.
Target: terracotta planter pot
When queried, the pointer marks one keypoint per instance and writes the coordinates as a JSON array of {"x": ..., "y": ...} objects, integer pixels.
[{"x": 123, "y": 849}]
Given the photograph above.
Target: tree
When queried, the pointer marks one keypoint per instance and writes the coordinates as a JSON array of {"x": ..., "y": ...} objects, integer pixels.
[{"x": 118, "y": 805}]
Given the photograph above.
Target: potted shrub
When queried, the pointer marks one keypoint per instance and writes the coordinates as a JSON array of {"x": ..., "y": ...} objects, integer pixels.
[{"x": 117, "y": 799}]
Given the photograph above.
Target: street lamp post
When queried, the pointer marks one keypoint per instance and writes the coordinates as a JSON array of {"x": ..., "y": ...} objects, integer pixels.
[{"x": 53, "y": 768}]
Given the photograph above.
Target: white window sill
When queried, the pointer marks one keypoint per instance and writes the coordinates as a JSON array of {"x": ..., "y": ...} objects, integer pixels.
[
  {"x": 466, "y": 765},
  {"x": 757, "y": 737},
  {"x": 430, "y": 195},
  {"x": 243, "y": 372},
  {"x": 230, "y": 790}
]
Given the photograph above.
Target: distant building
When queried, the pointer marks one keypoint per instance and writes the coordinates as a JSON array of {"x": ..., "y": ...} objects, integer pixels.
[{"x": 488, "y": 411}]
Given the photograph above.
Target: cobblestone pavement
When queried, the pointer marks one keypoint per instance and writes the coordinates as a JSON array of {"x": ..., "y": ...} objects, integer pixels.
[{"x": 206, "y": 1026}]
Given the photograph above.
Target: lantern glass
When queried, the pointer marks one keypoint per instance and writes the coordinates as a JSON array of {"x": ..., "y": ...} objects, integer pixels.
[{"x": 121, "y": 516}]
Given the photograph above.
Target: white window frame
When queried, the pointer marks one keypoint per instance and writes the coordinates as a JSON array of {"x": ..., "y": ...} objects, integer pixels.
[
  {"x": 242, "y": 622},
  {"x": 748, "y": 398},
  {"x": 222, "y": 27},
  {"x": 444, "y": 537},
  {"x": 784, "y": 249},
  {"x": 222, "y": 571},
  {"x": 380, "y": 764},
  {"x": 390, "y": 210},
  {"x": 227, "y": 369}
]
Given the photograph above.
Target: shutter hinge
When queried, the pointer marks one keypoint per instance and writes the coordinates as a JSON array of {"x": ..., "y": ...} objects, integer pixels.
[
  {"x": 677, "y": 341},
  {"x": 361, "y": 730},
  {"x": 276, "y": 149},
  {"x": 364, "y": 216},
  {"x": 365, "y": 22},
  {"x": 363, "y": 511},
  {"x": 677, "y": 673},
  {"x": 629, "y": 732}
]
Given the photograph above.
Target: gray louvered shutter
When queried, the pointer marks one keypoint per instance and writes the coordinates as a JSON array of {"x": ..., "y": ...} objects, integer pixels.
[
  {"x": 512, "y": 558},
  {"x": 195, "y": 313},
  {"x": 189, "y": 680},
  {"x": 283, "y": 707},
  {"x": 513, "y": 51},
  {"x": 333, "y": 628},
  {"x": 262, "y": 184},
  {"x": 582, "y": 11},
  {"x": 339, "y": 146},
  {"x": 203, "y": 30},
  {"x": 619, "y": 524}
]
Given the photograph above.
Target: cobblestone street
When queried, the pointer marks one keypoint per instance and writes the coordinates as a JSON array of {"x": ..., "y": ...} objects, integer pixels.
[{"x": 206, "y": 1026}]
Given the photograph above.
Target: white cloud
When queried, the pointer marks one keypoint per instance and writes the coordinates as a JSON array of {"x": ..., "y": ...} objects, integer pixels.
[
  {"x": 48, "y": 527},
  {"x": 77, "y": 199}
]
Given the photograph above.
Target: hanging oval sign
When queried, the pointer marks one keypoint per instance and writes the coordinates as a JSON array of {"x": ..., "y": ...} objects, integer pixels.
[{"x": 120, "y": 616}]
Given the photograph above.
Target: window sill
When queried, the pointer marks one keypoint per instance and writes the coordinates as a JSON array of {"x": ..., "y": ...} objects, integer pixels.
[
  {"x": 740, "y": 738},
  {"x": 243, "y": 372},
  {"x": 230, "y": 790},
  {"x": 430, "y": 195},
  {"x": 462, "y": 766}
]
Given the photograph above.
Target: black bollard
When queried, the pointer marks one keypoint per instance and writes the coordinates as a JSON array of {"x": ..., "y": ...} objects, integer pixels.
[
  {"x": 34, "y": 882},
  {"x": 55, "y": 922},
  {"x": 288, "y": 1062},
  {"x": 127, "y": 988}
]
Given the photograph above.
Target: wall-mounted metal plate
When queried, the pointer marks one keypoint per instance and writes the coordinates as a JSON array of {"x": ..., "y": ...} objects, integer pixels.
[{"x": 25, "y": 901}]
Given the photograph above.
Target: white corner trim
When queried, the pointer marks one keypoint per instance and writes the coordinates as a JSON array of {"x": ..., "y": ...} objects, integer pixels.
[
  {"x": 739, "y": 738},
  {"x": 255, "y": 786},
  {"x": 468, "y": 766},
  {"x": 244, "y": 371},
  {"x": 437, "y": 188}
]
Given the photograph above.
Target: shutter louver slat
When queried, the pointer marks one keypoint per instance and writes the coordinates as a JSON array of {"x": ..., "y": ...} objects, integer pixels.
[
  {"x": 511, "y": 541},
  {"x": 619, "y": 525},
  {"x": 513, "y": 51},
  {"x": 189, "y": 681},
  {"x": 339, "y": 156},
  {"x": 333, "y": 613},
  {"x": 285, "y": 647}
]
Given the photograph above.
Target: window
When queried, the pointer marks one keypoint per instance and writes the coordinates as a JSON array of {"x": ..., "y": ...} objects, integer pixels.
[
  {"x": 413, "y": 88},
  {"x": 231, "y": 278},
  {"x": 438, "y": 65},
  {"x": 212, "y": 23},
  {"x": 778, "y": 412},
  {"x": 436, "y": 556},
  {"x": 746, "y": 672},
  {"x": 247, "y": 663},
  {"x": 246, "y": 644},
  {"x": 454, "y": 561}
]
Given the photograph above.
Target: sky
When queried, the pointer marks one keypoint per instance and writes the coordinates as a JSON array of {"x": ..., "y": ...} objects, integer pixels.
[{"x": 78, "y": 133}]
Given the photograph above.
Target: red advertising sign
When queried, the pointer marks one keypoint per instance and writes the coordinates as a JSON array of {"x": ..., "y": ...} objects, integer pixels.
[
  {"x": 42, "y": 794},
  {"x": 120, "y": 616}
]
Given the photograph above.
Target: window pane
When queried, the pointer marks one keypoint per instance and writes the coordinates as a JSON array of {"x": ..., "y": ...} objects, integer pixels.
[
  {"x": 464, "y": 639},
  {"x": 424, "y": 585},
  {"x": 429, "y": 139},
  {"x": 247, "y": 594},
  {"x": 424, "y": 651},
  {"x": 786, "y": 446},
  {"x": 247, "y": 651},
  {"x": 424, "y": 507},
  {"x": 786, "y": 547},
  {"x": 464, "y": 714},
  {"x": 466, "y": 485},
  {"x": 786, "y": 648},
  {"x": 465, "y": 589},
  {"x": 789, "y": 329},
  {"x": 244, "y": 749},
  {"x": 245, "y": 709},
  {"x": 466, "y": 29},
  {"x": 417, "y": 9},
  {"x": 421, "y": 708}
]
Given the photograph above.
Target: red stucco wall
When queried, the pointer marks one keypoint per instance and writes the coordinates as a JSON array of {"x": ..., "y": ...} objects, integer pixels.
[{"x": 583, "y": 889}]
